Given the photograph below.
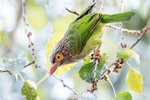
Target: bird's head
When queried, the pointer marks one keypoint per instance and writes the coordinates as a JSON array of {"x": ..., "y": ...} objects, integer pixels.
[{"x": 59, "y": 57}]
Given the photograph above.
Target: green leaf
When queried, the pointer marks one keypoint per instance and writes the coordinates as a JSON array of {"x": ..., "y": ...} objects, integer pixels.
[
  {"x": 87, "y": 59},
  {"x": 127, "y": 53},
  {"x": 103, "y": 58},
  {"x": 124, "y": 96},
  {"x": 29, "y": 91},
  {"x": 14, "y": 65},
  {"x": 135, "y": 81},
  {"x": 86, "y": 71}
]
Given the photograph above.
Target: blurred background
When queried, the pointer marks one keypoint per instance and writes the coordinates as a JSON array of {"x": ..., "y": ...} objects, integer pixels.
[{"x": 47, "y": 17}]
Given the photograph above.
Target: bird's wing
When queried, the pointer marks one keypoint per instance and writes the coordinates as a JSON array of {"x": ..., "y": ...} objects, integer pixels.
[
  {"x": 85, "y": 12},
  {"x": 80, "y": 31}
]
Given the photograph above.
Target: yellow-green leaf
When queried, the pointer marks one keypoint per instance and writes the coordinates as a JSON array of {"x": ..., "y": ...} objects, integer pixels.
[
  {"x": 124, "y": 54},
  {"x": 135, "y": 81},
  {"x": 128, "y": 53},
  {"x": 87, "y": 59},
  {"x": 124, "y": 96},
  {"x": 29, "y": 91}
]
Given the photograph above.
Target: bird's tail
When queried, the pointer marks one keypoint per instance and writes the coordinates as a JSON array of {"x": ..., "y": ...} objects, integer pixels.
[{"x": 120, "y": 17}]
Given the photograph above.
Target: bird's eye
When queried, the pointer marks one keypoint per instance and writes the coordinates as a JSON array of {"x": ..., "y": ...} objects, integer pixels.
[{"x": 59, "y": 57}]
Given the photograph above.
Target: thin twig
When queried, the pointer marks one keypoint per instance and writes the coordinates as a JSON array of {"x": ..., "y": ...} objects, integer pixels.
[
  {"x": 5, "y": 71},
  {"x": 137, "y": 32},
  {"x": 121, "y": 10},
  {"x": 114, "y": 67},
  {"x": 73, "y": 12},
  {"x": 96, "y": 62},
  {"x": 27, "y": 32},
  {"x": 119, "y": 62},
  {"x": 137, "y": 41},
  {"x": 96, "y": 58},
  {"x": 94, "y": 80},
  {"x": 95, "y": 69},
  {"x": 29, "y": 64},
  {"x": 66, "y": 86},
  {"x": 143, "y": 32},
  {"x": 106, "y": 71}
]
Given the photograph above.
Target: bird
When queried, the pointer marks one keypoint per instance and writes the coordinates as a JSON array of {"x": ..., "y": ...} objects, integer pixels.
[{"x": 82, "y": 36}]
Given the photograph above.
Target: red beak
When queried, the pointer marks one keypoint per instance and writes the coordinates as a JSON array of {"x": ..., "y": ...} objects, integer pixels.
[{"x": 54, "y": 67}]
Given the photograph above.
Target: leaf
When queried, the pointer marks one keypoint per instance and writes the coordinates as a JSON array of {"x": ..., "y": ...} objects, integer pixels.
[
  {"x": 29, "y": 90},
  {"x": 54, "y": 40},
  {"x": 14, "y": 65},
  {"x": 124, "y": 96},
  {"x": 87, "y": 59},
  {"x": 135, "y": 81},
  {"x": 127, "y": 53},
  {"x": 86, "y": 71},
  {"x": 136, "y": 57},
  {"x": 103, "y": 58}
]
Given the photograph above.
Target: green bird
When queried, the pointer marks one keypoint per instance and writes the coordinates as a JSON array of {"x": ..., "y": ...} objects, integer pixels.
[{"x": 82, "y": 36}]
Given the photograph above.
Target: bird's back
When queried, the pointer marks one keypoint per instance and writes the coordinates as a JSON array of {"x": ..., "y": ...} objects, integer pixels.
[{"x": 80, "y": 31}]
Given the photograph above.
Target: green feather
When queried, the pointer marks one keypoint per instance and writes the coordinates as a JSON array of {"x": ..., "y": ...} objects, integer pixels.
[
  {"x": 86, "y": 11},
  {"x": 80, "y": 31},
  {"x": 120, "y": 17}
]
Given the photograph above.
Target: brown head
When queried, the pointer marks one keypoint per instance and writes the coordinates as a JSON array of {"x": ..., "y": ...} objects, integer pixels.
[{"x": 59, "y": 56}]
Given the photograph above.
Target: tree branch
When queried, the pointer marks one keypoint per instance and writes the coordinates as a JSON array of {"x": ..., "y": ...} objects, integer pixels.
[
  {"x": 27, "y": 32},
  {"x": 117, "y": 64},
  {"x": 29, "y": 64},
  {"x": 73, "y": 12},
  {"x": 121, "y": 35},
  {"x": 65, "y": 85},
  {"x": 5, "y": 71},
  {"x": 142, "y": 32},
  {"x": 96, "y": 57},
  {"x": 137, "y": 32},
  {"x": 114, "y": 67}
]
